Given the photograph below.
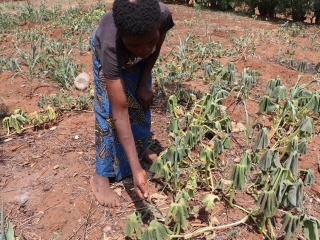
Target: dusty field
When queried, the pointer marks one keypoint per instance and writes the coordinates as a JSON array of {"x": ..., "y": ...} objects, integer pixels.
[{"x": 45, "y": 172}]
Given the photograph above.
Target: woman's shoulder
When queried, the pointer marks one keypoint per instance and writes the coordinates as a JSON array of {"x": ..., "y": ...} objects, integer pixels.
[
  {"x": 107, "y": 20},
  {"x": 107, "y": 30},
  {"x": 164, "y": 8},
  {"x": 166, "y": 18}
]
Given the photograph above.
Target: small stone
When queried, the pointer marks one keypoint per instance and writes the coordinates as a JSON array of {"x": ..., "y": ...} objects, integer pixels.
[
  {"x": 53, "y": 128},
  {"x": 82, "y": 81},
  {"x": 107, "y": 229},
  {"x": 237, "y": 160}
]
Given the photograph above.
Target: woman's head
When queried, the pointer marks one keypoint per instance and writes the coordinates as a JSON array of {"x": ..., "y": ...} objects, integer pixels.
[
  {"x": 136, "y": 17},
  {"x": 138, "y": 23}
]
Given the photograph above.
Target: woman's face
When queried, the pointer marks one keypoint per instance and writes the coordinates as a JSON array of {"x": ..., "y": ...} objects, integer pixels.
[{"x": 141, "y": 46}]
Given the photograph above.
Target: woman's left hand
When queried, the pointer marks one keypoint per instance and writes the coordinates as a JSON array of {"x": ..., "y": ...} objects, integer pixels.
[{"x": 145, "y": 95}]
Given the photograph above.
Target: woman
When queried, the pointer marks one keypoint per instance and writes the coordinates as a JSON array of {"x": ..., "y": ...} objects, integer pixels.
[{"x": 127, "y": 44}]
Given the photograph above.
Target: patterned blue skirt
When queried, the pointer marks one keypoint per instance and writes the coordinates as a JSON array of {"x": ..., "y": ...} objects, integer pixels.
[{"x": 111, "y": 160}]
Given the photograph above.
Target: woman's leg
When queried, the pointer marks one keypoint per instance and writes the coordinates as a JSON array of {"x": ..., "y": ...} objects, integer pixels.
[{"x": 104, "y": 143}]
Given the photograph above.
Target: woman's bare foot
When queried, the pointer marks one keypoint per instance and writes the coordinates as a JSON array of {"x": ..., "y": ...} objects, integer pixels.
[
  {"x": 102, "y": 191},
  {"x": 149, "y": 156}
]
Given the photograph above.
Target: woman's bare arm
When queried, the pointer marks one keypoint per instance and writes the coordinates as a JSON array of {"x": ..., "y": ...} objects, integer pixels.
[{"x": 120, "y": 114}]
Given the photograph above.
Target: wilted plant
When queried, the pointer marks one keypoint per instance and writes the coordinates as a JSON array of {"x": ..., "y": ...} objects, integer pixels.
[
  {"x": 133, "y": 225},
  {"x": 262, "y": 140},
  {"x": 266, "y": 105},
  {"x": 303, "y": 66},
  {"x": 16, "y": 121},
  {"x": 178, "y": 213},
  {"x": 238, "y": 178},
  {"x": 291, "y": 225}
]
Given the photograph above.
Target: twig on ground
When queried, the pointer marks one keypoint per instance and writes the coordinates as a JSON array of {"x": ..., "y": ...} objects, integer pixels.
[
  {"x": 85, "y": 224},
  {"x": 210, "y": 229},
  {"x": 52, "y": 206}
]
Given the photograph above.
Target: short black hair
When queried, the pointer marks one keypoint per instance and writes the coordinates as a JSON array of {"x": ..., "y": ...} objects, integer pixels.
[{"x": 136, "y": 17}]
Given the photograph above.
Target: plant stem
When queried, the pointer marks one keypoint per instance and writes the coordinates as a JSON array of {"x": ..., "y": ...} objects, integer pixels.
[
  {"x": 263, "y": 224},
  {"x": 273, "y": 235},
  {"x": 231, "y": 197}
]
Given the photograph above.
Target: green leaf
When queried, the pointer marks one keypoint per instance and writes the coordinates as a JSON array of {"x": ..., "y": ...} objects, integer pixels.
[
  {"x": 230, "y": 66},
  {"x": 299, "y": 187},
  {"x": 310, "y": 228},
  {"x": 246, "y": 159},
  {"x": 272, "y": 85},
  {"x": 133, "y": 225},
  {"x": 183, "y": 195},
  {"x": 190, "y": 139},
  {"x": 209, "y": 201},
  {"x": 292, "y": 195},
  {"x": 269, "y": 160},
  {"x": 206, "y": 101},
  {"x": 51, "y": 113},
  {"x": 6, "y": 124},
  {"x": 174, "y": 126},
  {"x": 10, "y": 232},
  {"x": 279, "y": 175},
  {"x": 302, "y": 66},
  {"x": 303, "y": 146},
  {"x": 178, "y": 212},
  {"x": 268, "y": 203},
  {"x": 187, "y": 120},
  {"x": 218, "y": 93},
  {"x": 293, "y": 145},
  {"x": 15, "y": 123},
  {"x": 212, "y": 112},
  {"x": 290, "y": 224},
  {"x": 256, "y": 158},
  {"x": 281, "y": 191},
  {"x": 266, "y": 105},
  {"x": 217, "y": 148},
  {"x": 192, "y": 184},
  {"x": 157, "y": 165},
  {"x": 156, "y": 231},
  {"x": 289, "y": 106},
  {"x": 207, "y": 155},
  {"x": 279, "y": 93},
  {"x": 232, "y": 77},
  {"x": 226, "y": 124},
  {"x": 196, "y": 131},
  {"x": 239, "y": 176},
  {"x": 262, "y": 140},
  {"x": 304, "y": 97},
  {"x": 306, "y": 126},
  {"x": 292, "y": 163},
  {"x": 172, "y": 104},
  {"x": 161, "y": 167},
  {"x": 226, "y": 142},
  {"x": 309, "y": 176}
]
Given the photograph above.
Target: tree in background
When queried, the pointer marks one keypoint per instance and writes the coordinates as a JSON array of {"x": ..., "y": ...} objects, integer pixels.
[
  {"x": 316, "y": 10},
  {"x": 296, "y": 9}
]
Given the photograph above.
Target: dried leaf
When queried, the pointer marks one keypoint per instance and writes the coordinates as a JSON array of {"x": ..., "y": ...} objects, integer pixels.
[
  {"x": 209, "y": 201},
  {"x": 56, "y": 166}
]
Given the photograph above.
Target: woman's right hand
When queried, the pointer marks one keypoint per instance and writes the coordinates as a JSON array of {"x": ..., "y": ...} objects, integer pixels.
[{"x": 141, "y": 184}]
